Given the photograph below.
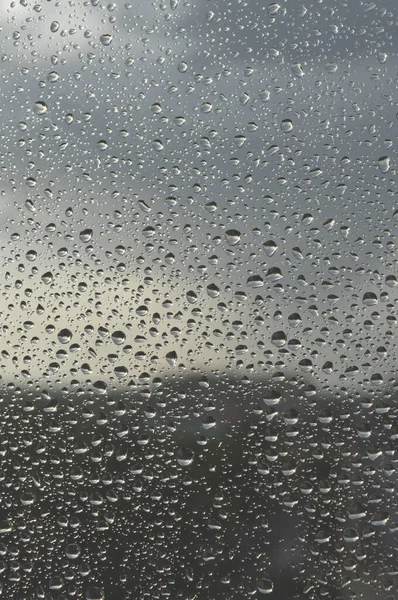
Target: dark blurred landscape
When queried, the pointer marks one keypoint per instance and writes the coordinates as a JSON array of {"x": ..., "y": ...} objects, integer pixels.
[{"x": 214, "y": 487}]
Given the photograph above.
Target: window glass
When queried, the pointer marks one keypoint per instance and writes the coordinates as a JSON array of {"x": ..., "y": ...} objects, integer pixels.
[{"x": 198, "y": 306}]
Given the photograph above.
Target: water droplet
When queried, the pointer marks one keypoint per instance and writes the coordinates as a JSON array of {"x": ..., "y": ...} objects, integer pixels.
[
  {"x": 272, "y": 398},
  {"x": 384, "y": 164},
  {"x": 209, "y": 422},
  {"x": 265, "y": 586},
  {"x": 72, "y": 551},
  {"x": 287, "y": 125},
  {"x": 182, "y": 67},
  {"x": 191, "y": 297},
  {"x": 106, "y": 39},
  {"x": 331, "y": 67},
  {"x": 233, "y": 236},
  {"x": 213, "y": 291},
  {"x": 244, "y": 98},
  {"x": 171, "y": 358},
  {"x": 206, "y": 107},
  {"x": 65, "y": 336},
  {"x": 94, "y": 593},
  {"x": 40, "y": 107},
  {"x": 52, "y": 77},
  {"x": 382, "y": 57},
  {"x": 157, "y": 145},
  {"x": 279, "y": 339},
  {"x": 239, "y": 140},
  {"x": 86, "y": 235},
  {"x": 118, "y": 337},
  {"x": 31, "y": 255},
  {"x": 264, "y": 95},
  {"x": 297, "y": 70},
  {"x": 185, "y": 456},
  {"x": 370, "y": 299},
  {"x": 270, "y": 247}
]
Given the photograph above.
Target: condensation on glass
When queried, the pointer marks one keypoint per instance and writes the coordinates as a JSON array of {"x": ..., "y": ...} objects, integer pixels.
[{"x": 198, "y": 300}]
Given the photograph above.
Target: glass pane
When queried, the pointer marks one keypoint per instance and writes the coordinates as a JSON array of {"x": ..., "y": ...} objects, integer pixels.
[{"x": 198, "y": 316}]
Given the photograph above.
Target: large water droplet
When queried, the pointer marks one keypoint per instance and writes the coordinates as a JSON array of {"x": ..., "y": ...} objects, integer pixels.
[
  {"x": 40, "y": 108},
  {"x": 185, "y": 456},
  {"x": 106, "y": 39},
  {"x": 65, "y": 336}
]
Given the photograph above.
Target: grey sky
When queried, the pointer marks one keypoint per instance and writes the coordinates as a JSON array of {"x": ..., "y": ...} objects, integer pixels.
[{"x": 229, "y": 70}]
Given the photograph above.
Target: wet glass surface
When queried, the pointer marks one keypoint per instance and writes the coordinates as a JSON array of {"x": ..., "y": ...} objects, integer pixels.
[{"x": 199, "y": 290}]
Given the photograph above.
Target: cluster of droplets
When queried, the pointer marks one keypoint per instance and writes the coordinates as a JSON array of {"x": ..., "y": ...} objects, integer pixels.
[{"x": 199, "y": 301}]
